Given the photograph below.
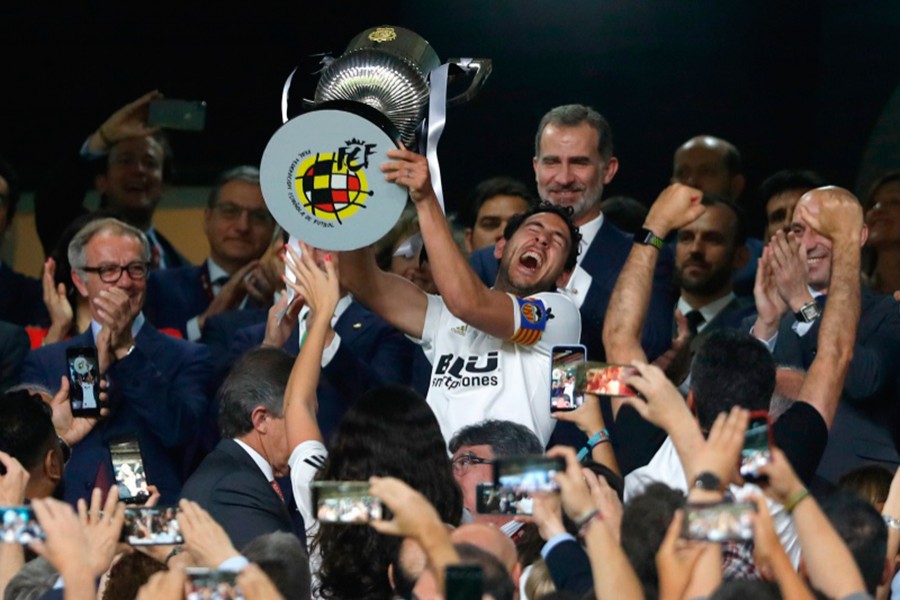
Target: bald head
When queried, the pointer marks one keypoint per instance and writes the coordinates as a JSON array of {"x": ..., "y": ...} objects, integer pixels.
[
  {"x": 491, "y": 539},
  {"x": 711, "y": 164},
  {"x": 818, "y": 247}
]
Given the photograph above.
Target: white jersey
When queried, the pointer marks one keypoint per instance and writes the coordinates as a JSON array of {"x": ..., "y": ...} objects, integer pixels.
[
  {"x": 305, "y": 461},
  {"x": 476, "y": 376}
]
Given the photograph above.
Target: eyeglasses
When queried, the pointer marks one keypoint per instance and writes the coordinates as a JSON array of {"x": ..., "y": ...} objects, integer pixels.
[
  {"x": 137, "y": 270},
  {"x": 233, "y": 212},
  {"x": 462, "y": 462}
]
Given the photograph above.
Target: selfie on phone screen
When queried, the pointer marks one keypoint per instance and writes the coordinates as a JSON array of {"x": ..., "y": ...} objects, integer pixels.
[{"x": 720, "y": 522}]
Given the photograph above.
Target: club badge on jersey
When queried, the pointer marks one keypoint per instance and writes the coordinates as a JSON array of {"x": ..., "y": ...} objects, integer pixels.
[{"x": 533, "y": 317}]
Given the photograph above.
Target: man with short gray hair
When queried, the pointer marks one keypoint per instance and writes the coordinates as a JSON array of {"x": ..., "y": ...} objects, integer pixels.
[
  {"x": 239, "y": 230},
  {"x": 157, "y": 384},
  {"x": 237, "y": 481}
]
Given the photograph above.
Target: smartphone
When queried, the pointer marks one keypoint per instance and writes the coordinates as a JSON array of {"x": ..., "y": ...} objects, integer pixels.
[
  {"x": 151, "y": 526},
  {"x": 464, "y": 582},
  {"x": 719, "y": 522},
  {"x": 128, "y": 467},
  {"x": 169, "y": 113},
  {"x": 757, "y": 450},
  {"x": 19, "y": 525},
  {"x": 204, "y": 583},
  {"x": 345, "y": 502},
  {"x": 564, "y": 363},
  {"x": 84, "y": 381},
  {"x": 491, "y": 500},
  {"x": 605, "y": 379},
  {"x": 529, "y": 473}
]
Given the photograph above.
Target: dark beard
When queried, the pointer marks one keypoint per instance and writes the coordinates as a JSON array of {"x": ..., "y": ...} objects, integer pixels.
[{"x": 714, "y": 283}]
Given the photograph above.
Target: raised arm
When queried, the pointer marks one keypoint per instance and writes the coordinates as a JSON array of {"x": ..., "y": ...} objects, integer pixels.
[
  {"x": 462, "y": 291},
  {"x": 675, "y": 207},
  {"x": 320, "y": 289},
  {"x": 839, "y": 217},
  {"x": 393, "y": 298}
]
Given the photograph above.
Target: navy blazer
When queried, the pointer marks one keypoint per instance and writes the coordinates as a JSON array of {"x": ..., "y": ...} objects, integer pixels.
[
  {"x": 371, "y": 353},
  {"x": 21, "y": 299},
  {"x": 14, "y": 346},
  {"x": 603, "y": 261},
  {"x": 865, "y": 426},
  {"x": 175, "y": 296},
  {"x": 158, "y": 392},
  {"x": 232, "y": 488}
]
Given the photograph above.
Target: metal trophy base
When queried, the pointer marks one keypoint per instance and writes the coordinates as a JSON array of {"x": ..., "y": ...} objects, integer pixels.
[{"x": 321, "y": 176}]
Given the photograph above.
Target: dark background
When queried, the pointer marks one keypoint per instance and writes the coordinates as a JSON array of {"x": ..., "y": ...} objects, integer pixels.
[{"x": 792, "y": 84}]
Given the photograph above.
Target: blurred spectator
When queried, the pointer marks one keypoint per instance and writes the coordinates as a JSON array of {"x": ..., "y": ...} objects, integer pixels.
[
  {"x": 626, "y": 213},
  {"x": 489, "y": 209},
  {"x": 882, "y": 253}
]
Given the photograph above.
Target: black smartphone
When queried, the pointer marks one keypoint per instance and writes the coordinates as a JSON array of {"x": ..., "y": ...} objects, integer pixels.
[
  {"x": 19, "y": 525},
  {"x": 128, "y": 468},
  {"x": 170, "y": 113},
  {"x": 564, "y": 364},
  {"x": 719, "y": 522},
  {"x": 491, "y": 500},
  {"x": 757, "y": 450},
  {"x": 204, "y": 583},
  {"x": 151, "y": 526},
  {"x": 464, "y": 582},
  {"x": 605, "y": 379},
  {"x": 84, "y": 381},
  {"x": 345, "y": 502},
  {"x": 528, "y": 473}
]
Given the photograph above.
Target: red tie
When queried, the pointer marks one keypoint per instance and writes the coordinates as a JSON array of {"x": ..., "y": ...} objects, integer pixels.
[{"x": 277, "y": 489}]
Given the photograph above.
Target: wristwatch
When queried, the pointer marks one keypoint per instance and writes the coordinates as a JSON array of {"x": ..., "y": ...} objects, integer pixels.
[
  {"x": 648, "y": 238},
  {"x": 708, "y": 481},
  {"x": 809, "y": 312}
]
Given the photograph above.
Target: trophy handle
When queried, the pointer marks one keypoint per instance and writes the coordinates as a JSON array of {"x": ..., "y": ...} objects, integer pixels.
[{"x": 481, "y": 67}]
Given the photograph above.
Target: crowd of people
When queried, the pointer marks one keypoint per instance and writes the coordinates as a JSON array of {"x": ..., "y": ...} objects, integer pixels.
[{"x": 321, "y": 424}]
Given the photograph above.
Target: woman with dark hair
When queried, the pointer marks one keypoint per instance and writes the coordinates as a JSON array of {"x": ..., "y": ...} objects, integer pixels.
[
  {"x": 389, "y": 431},
  {"x": 881, "y": 257}
]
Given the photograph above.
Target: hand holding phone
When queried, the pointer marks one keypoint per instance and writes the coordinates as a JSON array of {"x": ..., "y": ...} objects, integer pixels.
[
  {"x": 564, "y": 363},
  {"x": 128, "y": 468},
  {"x": 84, "y": 381},
  {"x": 757, "y": 450}
]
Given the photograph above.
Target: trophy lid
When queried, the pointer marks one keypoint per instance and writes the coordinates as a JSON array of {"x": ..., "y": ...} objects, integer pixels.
[{"x": 401, "y": 42}]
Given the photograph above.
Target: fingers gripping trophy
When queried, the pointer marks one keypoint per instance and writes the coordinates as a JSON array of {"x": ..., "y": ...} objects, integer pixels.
[{"x": 320, "y": 170}]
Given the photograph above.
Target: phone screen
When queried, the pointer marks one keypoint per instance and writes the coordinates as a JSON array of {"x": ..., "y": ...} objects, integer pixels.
[
  {"x": 491, "y": 500},
  {"x": 518, "y": 478},
  {"x": 464, "y": 582},
  {"x": 757, "y": 451},
  {"x": 19, "y": 525},
  {"x": 206, "y": 583},
  {"x": 151, "y": 526},
  {"x": 719, "y": 522},
  {"x": 128, "y": 467},
  {"x": 170, "y": 113},
  {"x": 345, "y": 502},
  {"x": 605, "y": 379},
  {"x": 563, "y": 393},
  {"x": 84, "y": 381}
]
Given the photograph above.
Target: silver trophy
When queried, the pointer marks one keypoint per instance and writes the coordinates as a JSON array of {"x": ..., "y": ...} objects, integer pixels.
[{"x": 320, "y": 171}]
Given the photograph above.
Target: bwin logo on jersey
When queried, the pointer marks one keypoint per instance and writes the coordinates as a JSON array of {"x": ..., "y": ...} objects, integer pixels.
[{"x": 453, "y": 371}]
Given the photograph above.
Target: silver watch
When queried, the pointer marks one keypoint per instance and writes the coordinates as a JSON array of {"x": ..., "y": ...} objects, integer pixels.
[
  {"x": 891, "y": 522},
  {"x": 809, "y": 312}
]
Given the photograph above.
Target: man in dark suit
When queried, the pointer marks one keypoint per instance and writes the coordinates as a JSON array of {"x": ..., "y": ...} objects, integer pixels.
[
  {"x": 157, "y": 384},
  {"x": 237, "y": 482},
  {"x": 21, "y": 297},
  {"x": 365, "y": 351},
  {"x": 14, "y": 346},
  {"x": 789, "y": 306},
  {"x": 708, "y": 253},
  {"x": 239, "y": 229},
  {"x": 127, "y": 162},
  {"x": 573, "y": 162}
]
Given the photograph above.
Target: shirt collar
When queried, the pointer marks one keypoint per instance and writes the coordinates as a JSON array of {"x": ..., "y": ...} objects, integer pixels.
[
  {"x": 261, "y": 462},
  {"x": 215, "y": 271},
  {"x": 588, "y": 232},
  {"x": 709, "y": 311},
  {"x": 135, "y": 327}
]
